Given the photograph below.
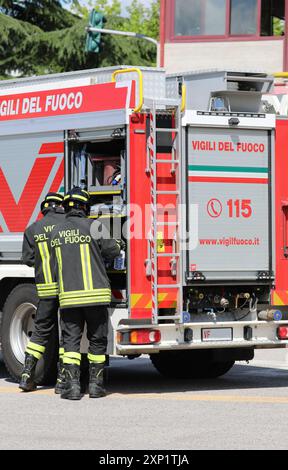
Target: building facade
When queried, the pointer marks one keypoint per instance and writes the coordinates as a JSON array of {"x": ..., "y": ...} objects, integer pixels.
[{"x": 223, "y": 34}]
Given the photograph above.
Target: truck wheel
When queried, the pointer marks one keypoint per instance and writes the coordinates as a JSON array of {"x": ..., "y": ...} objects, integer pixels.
[
  {"x": 189, "y": 364},
  {"x": 15, "y": 331}
]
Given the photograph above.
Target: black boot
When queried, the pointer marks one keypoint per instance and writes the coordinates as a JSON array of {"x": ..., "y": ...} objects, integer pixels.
[
  {"x": 27, "y": 383},
  {"x": 71, "y": 389},
  {"x": 60, "y": 383},
  {"x": 96, "y": 380}
]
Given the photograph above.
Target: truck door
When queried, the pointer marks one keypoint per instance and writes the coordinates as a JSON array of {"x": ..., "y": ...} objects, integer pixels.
[{"x": 229, "y": 179}]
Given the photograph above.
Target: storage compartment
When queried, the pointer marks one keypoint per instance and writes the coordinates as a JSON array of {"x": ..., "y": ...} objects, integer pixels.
[{"x": 96, "y": 163}]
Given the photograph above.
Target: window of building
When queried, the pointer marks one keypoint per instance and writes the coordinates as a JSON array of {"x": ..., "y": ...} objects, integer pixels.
[
  {"x": 228, "y": 18},
  {"x": 243, "y": 18},
  {"x": 272, "y": 18},
  {"x": 200, "y": 17}
]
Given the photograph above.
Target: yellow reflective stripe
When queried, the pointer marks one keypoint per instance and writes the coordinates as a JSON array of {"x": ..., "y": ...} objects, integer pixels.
[
  {"x": 47, "y": 289},
  {"x": 84, "y": 267},
  {"x": 72, "y": 358},
  {"x": 73, "y": 355},
  {"x": 84, "y": 293},
  {"x": 47, "y": 292},
  {"x": 47, "y": 285},
  {"x": 59, "y": 260},
  {"x": 94, "y": 300},
  {"x": 61, "y": 352},
  {"x": 36, "y": 347},
  {"x": 45, "y": 257},
  {"x": 82, "y": 198},
  {"x": 90, "y": 280},
  {"x": 105, "y": 289},
  {"x": 90, "y": 298},
  {"x": 45, "y": 296},
  {"x": 34, "y": 353},
  {"x": 104, "y": 298},
  {"x": 98, "y": 358},
  {"x": 76, "y": 196},
  {"x": 48, "y": 198},
  {"x": 48, "y": 262}
]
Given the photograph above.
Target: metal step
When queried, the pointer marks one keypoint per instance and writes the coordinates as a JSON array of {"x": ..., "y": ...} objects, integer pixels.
[
  {"x": 173, "y": 193},
  {"x": 162, "y": 104},
  {"x": 168, "y": 286},
  {"x": 175, "y": 317},
  {"x": 168, "y": 224},
  {"x": 165, "y": 129},
  {"x": 168, "y": 255},
  {"x": 172, "y": 162}
]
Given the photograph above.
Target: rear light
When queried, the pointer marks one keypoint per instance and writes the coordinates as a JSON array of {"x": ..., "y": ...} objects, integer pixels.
[
  {"x": 282, "y": 332},
  {"x": 145, "y": 336}
]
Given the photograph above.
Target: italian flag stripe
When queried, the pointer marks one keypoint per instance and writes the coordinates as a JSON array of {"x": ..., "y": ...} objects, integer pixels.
[
  {"x": 226, "y": 174},
  {"x": 204, "y": 179}
]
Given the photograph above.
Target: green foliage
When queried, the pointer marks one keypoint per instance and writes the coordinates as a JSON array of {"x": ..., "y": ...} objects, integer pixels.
[
  {"x": 112, "y": 8},
  {"x": 30, "y": 45},
  {"x": 278, "y": 27},
  {"x": 140, "y": 19},
  {"x": 48, "y": 15}
]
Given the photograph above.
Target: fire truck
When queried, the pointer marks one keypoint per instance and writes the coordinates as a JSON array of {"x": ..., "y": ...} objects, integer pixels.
[{"x": 184, "y": 169}]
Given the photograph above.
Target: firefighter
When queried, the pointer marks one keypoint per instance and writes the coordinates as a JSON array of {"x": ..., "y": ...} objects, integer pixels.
[
  {"x": 84, "y": 293},
  {"x": 36, "y": 252}
]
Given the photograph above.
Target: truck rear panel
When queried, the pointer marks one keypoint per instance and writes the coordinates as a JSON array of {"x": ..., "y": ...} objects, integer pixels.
[{"x": 229, "y": 179}]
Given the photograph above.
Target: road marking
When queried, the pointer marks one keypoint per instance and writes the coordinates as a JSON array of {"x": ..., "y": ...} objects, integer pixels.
[
  {"x": 17, "y": 390},
  {"x": 170, "y": 396},
  {"x": 212, "y": 398}
]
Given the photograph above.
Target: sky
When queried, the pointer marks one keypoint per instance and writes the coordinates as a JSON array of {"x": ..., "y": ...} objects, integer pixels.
[{"x": 126, "y": 3}]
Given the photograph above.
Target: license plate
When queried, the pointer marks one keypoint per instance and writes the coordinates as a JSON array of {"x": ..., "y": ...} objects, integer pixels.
[{"x": 217, "y": 334}]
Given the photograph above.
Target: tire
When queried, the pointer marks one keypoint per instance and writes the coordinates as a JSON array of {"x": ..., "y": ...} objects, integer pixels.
[
  {"x": 15, "y": 331},
  {"x": 189, "y": 364}
]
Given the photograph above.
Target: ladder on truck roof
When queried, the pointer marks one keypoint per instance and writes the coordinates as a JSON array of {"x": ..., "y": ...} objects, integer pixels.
[{"x": 172, "y": 109}]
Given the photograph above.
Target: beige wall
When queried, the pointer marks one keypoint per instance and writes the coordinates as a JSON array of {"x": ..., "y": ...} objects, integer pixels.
[{"x": 266, "y": 56}]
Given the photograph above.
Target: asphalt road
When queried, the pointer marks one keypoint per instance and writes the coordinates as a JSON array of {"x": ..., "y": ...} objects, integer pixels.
[{"x": 245, "y": 409}]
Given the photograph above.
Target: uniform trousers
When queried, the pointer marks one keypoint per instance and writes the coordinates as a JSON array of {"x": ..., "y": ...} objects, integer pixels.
[
  {"x": 46, "y": 319},
  {"x": 96, "y": 319}
]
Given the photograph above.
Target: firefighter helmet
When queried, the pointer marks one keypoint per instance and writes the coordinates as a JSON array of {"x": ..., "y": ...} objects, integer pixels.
[
  {"x": 76, "y": 198},
  {"x": 52, "y": 200}
]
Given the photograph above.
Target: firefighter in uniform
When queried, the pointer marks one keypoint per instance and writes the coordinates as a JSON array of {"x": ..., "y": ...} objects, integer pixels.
[
  {"x": 36, "y": 252},
  {"x": 84, "y": 292}
]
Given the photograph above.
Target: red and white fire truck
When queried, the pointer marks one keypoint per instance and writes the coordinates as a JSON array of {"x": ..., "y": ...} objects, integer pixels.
[{"x": 183, "y": 167}]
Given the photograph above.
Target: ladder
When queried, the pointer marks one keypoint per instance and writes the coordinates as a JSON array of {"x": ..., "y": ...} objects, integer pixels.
[{"x": 171, "y": 108}]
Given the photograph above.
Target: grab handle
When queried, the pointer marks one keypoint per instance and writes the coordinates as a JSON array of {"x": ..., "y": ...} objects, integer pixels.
[{"x": 140, "y": 75}]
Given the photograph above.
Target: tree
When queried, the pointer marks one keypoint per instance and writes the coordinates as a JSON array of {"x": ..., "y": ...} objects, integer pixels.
[
  {"x": 41, "y": 36},
  {"x": 140, "y": 18},
  {"x": 48, "y": 15}
]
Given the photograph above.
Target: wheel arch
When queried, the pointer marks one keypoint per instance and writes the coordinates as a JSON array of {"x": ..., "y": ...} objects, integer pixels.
[{"x": 7, "y": 284}]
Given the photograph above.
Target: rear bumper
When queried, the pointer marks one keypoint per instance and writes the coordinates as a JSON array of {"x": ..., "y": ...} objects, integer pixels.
[{"x": 262, "y": 335}]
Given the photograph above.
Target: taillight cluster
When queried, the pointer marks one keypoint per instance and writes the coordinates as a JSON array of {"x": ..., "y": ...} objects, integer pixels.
[
  {"x": 138, "y": 337},
  {"x": 282, "y": 332}
]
